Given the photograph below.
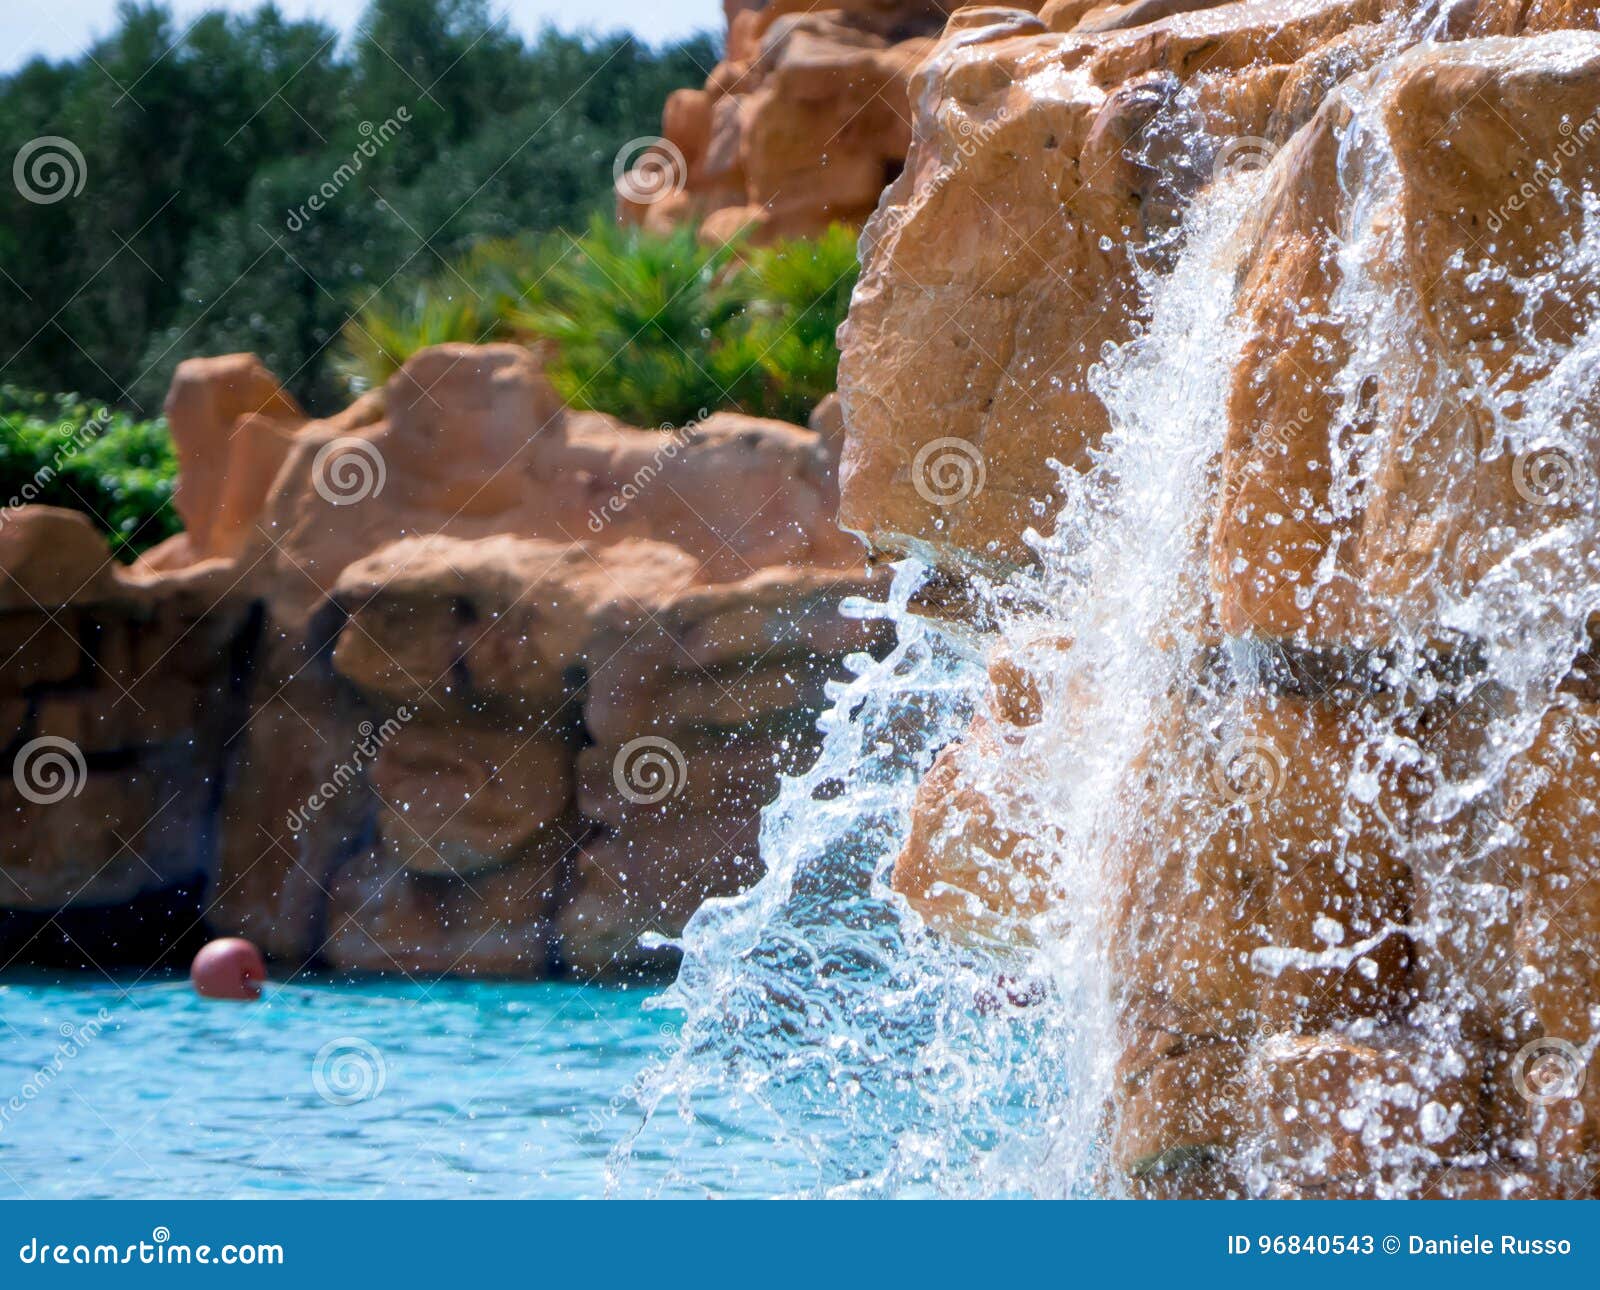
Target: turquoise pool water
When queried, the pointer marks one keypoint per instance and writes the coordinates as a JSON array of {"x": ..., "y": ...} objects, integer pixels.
[{"x": 341, "y": 1090}]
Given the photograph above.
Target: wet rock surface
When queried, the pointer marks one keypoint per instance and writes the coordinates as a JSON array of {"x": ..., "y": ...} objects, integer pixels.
[
  {"x": 1230, "y": 364},
  {"x": 1339, "y": 874}
]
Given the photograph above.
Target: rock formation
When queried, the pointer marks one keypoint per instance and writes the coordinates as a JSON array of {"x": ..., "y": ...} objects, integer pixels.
[
  {"x": 119, "y": 697},
  {"x": 446, "y": 684},
  {"x": 800, "y": 126},
  {"x": 463, "y": 681},
  {"x": 1343, "y": 885}
]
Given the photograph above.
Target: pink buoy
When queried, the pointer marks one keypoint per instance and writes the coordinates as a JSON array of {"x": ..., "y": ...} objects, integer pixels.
[{"x": 229, "y": 968}]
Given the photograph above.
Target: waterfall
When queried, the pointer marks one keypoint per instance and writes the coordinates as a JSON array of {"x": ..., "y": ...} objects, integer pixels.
[{"x": 892, "y": 1059}]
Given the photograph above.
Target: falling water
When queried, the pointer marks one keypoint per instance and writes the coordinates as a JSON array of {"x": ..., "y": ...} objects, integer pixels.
[{"x": 894, "y": 1060}]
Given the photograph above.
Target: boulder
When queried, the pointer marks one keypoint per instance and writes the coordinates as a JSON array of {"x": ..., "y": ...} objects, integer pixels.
[
  {"x": 117, "y": 696},
  {"x": 800, "y": 127},
  {"x": 386, "y": 918},
  {"x": 231, "y": 425},
  {"x": 51, "y": 558},
  {"x": 645, "y": 883},
  {"x": 962, "y": 869},
  {"x": 456, "y": 798},
  {"x": 1341, "y": 902},
  {"x": 999, "y": 264}
]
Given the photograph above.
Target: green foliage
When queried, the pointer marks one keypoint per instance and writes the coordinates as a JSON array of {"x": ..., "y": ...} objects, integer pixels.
[
  {"x": 443, "y": 154},
  {"x": 203, "y": 143},
  {"x": 57, "y": 450},
  {"x": 655, "y": 329},
  {"x": 380, "y": 338},
  {"x": 635, "y": 321},
  {"x": 799, "y": 293}
]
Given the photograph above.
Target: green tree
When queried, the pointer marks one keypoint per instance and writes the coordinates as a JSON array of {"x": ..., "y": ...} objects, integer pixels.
[
  {"x": 172, "y": 126},
  {"x": 199, "y": 141},
  {"x": 57, "y": 450}
]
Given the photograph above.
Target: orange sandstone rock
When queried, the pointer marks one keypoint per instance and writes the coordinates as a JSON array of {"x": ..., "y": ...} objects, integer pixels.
[
  {"x": 231, "y": 422},
  {"x": 802, "y": 125},
  {"x": 385, "y": 640}
]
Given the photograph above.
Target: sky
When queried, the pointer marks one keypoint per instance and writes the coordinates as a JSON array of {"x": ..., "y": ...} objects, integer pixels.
[{"x": 62, "y": 28}]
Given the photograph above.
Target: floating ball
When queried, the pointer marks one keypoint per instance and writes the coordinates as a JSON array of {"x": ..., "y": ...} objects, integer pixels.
[{"x": 229, "y": 968}]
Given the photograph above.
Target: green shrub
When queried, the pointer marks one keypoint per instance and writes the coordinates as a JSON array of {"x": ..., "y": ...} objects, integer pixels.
[
  {"x": 635, "y": 321},
  {"x": 57, "y": 450},
  {"x": 382, "y": 336},
  {"x": 656, "y": 329},
  {"x": 799, "y": 293}
]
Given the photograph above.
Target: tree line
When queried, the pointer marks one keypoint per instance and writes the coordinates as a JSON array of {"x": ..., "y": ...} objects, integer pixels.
[{"x": 248, "y": 182}]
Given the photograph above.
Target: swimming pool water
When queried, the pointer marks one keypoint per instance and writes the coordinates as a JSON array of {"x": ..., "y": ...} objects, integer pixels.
[{"x": 332, "y": 1090}]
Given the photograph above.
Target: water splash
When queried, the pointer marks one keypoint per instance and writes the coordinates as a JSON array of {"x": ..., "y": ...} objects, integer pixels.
[
  {"x": 900, "y": 1062},
  {"x": 1351, "y": 811}
]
